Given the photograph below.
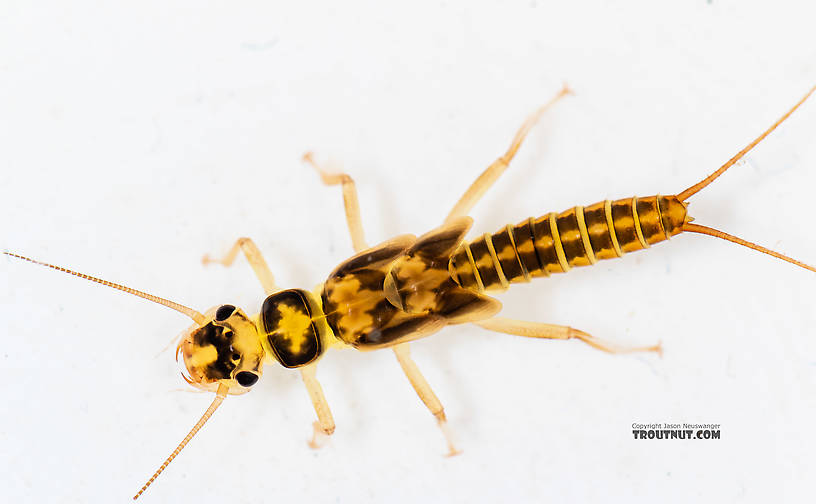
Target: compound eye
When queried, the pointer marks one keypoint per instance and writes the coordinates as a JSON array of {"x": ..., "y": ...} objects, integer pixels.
[
  {"x": 246, "y": 378},
  {"x": 223, "y": 312}
]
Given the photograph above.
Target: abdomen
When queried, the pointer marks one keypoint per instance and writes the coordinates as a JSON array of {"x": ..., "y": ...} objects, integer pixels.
[{"x": 556, "y": 243}]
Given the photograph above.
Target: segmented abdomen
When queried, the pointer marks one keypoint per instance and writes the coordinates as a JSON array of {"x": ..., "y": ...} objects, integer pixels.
[{"x": 555, "y": 243}]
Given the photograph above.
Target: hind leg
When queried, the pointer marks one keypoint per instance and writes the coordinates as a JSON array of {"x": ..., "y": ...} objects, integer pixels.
[
  {"x": 350, "y": 201},
  {"x": 551, "y": 331},
  {"x": 424, "y": 391},
  {"x": 494, "y": 171}
]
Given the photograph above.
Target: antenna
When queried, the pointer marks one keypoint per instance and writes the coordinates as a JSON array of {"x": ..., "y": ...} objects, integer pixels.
[
  {"x": 220, "y": 394},
  {"x": 196, "y": 316}
]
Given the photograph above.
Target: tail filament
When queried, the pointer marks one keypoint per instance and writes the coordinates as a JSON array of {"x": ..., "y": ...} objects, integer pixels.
[
  {"x": 691, "y": 191},
  {"x": 694, "y": 228}
]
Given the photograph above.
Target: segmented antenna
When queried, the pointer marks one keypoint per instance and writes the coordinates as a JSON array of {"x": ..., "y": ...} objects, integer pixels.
[
  {"x": 691, "y": 191},
  {"x": 220, "y": 394},
  {"x": 196, "y": 316}
]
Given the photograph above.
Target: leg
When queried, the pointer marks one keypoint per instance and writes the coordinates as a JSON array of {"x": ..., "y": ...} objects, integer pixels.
[
  {"x": 494, "y": 171},
  {"x": 350, "y": 201},
  {"x": 324, "y": 426},
  {"x": 424, "y": 392},
  {"x": 255, "y": 259},
  {"x": 550, "y": 331}
]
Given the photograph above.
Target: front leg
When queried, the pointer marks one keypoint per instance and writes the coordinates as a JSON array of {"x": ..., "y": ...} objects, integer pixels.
[
  {"x": 255, "y": 259},
  {"x": 324, "y": 426}
]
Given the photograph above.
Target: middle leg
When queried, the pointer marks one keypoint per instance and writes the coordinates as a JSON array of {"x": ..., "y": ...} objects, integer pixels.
[
  {"x": 350, "y": 201},
  {"x": 424, "y": 391}
]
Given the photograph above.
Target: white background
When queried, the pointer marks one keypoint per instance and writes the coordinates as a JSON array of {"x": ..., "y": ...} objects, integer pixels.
[{"x": 134, "y": 140}]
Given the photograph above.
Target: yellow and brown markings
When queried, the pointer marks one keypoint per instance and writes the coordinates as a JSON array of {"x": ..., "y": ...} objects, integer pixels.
[
  {"x": 626, "y": 228},
  {"x": 420, "y": 280},
  {"x": 399, "y": 291},
  {"x": 485, "y": 264},
  {"x": 505, "y": 247},
  {"x": 572, "y": 231},
  {"x": 291, "y": 327},
  {"x": 462, "y": 270},
  {"x": 673, "y": 213},
  {"x": 355, "y": 306},
  {"x": 651, "y": 220},
  {"x": 601, "y": 230},
  {"x": 555, "y": 243},
  {"x": 547, "y": 244},
  {"x": 414, "y": 283},
  {"x": 221, "y": 348},
  {"x": 207, "y": 354},
  {"x": 524, "y": 237},
  {"x": 354, "y": 300}
]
